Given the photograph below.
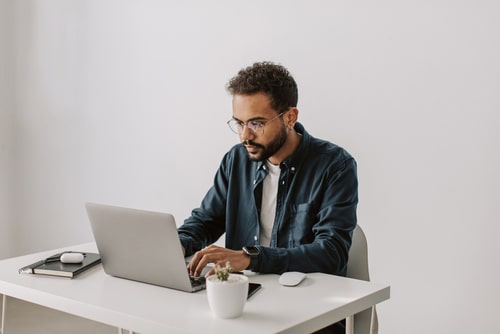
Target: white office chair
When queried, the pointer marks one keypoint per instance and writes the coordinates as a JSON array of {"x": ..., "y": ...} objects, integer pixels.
[{"x": 365, "y": 322}]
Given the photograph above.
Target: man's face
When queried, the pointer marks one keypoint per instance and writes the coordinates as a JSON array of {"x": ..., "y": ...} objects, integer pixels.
[{"x": 268, "y": 139}]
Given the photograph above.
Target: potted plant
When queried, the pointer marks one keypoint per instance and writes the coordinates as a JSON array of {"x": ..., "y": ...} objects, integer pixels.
[{"x": 227, "y": 292}]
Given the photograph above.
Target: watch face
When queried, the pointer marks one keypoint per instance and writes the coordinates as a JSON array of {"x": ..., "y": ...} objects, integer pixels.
[{"x": 250, "y": 250}]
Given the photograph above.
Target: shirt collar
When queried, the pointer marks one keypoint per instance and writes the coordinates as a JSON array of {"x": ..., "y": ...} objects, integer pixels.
[{"x": 294, "y": 161}]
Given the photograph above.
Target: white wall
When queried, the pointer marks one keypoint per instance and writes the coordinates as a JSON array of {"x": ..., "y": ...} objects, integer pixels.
[
  {"x": 123, "y": 102},
  {"x": 6, "y": 116}
]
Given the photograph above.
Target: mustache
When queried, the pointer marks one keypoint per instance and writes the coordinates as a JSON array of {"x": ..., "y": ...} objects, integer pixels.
[{"x": 251, "y": 143}]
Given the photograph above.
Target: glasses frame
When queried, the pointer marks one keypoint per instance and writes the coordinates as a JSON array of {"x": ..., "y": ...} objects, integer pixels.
[{"x": 241, "y": 125}]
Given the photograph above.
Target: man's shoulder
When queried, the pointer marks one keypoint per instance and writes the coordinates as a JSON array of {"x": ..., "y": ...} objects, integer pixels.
[
  {"x": 326, "y": 152},
  {"x": 321, "y": 147},
  {"x": 327, "y": 149}
]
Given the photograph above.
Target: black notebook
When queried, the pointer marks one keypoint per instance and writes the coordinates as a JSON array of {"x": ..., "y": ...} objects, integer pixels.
[{"x": 52, "y": 266}]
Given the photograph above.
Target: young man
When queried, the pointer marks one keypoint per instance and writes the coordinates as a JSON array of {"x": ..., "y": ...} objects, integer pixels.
[{"x": 286, "y": 200}]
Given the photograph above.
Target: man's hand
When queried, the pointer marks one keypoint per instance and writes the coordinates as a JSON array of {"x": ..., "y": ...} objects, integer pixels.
[{"x": 217, "y": 255}]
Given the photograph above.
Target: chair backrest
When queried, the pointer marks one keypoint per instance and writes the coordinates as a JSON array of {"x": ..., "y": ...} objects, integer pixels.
[
  {"x": 357, "y": 266},
  {"x": 365, "y": 322}
]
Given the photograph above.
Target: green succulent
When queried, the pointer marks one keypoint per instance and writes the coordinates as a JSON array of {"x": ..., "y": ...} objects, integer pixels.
[{"x": 222, "y": 273}]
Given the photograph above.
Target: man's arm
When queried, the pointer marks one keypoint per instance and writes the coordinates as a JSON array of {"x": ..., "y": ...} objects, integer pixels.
[{"x": 207, "y": 223}]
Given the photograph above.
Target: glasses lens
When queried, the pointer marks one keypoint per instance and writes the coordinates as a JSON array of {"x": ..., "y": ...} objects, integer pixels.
[
  {"x": 234, "y": 125},
  {"x": 254, "y": 126}
]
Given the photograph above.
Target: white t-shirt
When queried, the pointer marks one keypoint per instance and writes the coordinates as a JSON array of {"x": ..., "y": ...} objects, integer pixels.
[{"x": 268, "y": 206}]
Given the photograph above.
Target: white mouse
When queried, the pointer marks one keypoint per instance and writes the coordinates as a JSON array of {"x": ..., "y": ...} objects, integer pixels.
[
  {"x": 291, "y": 278},
  {"x": 71, "y": 258}
]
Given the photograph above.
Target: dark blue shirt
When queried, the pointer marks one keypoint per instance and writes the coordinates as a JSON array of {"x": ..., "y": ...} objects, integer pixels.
[{"x": 315, "y": 211}]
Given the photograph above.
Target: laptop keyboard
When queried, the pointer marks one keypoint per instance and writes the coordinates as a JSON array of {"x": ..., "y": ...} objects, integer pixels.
[{"x": 197, "y": 281}]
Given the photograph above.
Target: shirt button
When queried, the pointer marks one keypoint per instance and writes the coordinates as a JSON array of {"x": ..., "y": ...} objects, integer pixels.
[
  {"x": 254, "y": 181},
  {"x": 293, "y": 169}
]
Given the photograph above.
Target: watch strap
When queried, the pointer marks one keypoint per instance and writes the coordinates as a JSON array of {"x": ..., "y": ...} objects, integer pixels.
[{"x": 253, "y": 252}]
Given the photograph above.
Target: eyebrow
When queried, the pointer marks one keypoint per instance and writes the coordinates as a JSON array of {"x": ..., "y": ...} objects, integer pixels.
[{"x": 258, "y": 118}]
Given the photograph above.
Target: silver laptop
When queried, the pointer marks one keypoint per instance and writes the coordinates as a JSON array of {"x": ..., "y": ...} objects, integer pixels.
[{"x": 141, "y": 245}]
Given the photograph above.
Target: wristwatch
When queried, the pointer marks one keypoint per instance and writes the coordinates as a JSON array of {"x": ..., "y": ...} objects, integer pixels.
[{"x": 253, "y": 252}]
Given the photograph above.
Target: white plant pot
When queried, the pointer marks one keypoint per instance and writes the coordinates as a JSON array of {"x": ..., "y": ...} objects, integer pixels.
[{"x": 227, "y": 299}]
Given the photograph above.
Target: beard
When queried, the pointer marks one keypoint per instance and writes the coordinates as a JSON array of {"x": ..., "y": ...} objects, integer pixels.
[{"x": 260, "y": 152}]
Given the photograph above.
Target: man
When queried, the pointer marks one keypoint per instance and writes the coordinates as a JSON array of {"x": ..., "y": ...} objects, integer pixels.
[{"x": 286, "y": 200}]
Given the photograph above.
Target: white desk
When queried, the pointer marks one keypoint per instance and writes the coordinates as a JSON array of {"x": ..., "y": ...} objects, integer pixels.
[{"x": 318, "y": 301}]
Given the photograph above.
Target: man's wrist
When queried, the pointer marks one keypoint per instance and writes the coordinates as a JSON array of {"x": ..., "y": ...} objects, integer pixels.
[{"x": 254, "y": 254}]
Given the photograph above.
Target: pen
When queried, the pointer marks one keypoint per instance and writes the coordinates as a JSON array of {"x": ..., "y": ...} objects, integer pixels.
[{"x": 53, "y": 258}]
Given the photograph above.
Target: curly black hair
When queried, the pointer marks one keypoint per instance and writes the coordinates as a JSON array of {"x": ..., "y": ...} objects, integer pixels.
[{"x": 271, "y": 79}]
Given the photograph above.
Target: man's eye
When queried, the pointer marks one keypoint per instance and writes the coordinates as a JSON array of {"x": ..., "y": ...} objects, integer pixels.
[{"x": 255, "y": 124}]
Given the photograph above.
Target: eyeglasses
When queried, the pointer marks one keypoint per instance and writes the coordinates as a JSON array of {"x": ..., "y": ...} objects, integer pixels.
[{"x": 257, "y": 127}]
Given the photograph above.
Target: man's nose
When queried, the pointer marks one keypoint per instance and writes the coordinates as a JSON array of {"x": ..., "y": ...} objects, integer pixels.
[{"x": 246, "y": 134}]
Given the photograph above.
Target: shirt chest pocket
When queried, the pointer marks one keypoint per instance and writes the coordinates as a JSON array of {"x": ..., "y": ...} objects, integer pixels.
[{"x": 300, "y": 223}]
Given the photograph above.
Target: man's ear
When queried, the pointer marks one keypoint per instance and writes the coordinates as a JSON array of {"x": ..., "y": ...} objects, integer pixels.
[{"x": 291, "y": 117}]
